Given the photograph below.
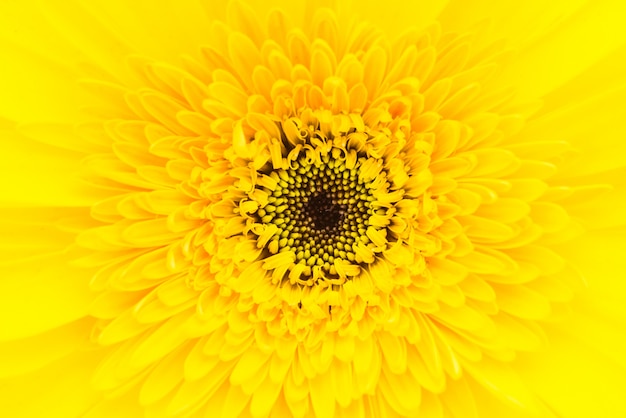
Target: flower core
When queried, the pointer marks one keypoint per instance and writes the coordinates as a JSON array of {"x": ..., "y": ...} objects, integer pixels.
[{"x": 319, "y": 210}]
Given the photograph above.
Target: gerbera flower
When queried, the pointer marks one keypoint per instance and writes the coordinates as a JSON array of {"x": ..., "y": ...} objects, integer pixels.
[{"x": 329, "y": 210}]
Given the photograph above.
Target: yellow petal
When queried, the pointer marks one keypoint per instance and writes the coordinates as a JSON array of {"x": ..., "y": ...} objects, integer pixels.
[
  {"x": 33, "y": 353},
  {"x": 35, "y": 178},
  {"x": 32, "y": 293},
  {"x": 594, "y": 377},
  {"x": 322, "y": 397},
  {"x": 38, "y": 393},
  {"x": 505, "y": 383}
]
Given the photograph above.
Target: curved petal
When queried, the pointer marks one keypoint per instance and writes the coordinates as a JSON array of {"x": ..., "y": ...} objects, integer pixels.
[
  {"x": 41, "y": 295},
  {"x": 56, "y": 390},
  {"x": 581, "y": 381},
  {"x": 37, "y": 174}
]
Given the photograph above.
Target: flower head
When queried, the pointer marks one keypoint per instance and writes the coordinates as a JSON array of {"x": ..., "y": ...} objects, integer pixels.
[{"x": 314, "y": 218}]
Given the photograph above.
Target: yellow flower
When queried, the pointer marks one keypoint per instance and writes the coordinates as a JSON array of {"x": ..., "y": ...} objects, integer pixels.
[{"x": 359, "y": 210}]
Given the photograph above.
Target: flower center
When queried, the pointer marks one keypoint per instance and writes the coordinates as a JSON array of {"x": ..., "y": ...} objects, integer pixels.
[
  {"x": 320, "y": 220},
  {"x": 321, "y": 211},
  {"x": 325, "y": 212}
]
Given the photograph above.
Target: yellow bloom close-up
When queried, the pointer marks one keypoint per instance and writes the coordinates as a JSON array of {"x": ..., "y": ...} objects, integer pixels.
[{"x": 313, "y": 209}]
